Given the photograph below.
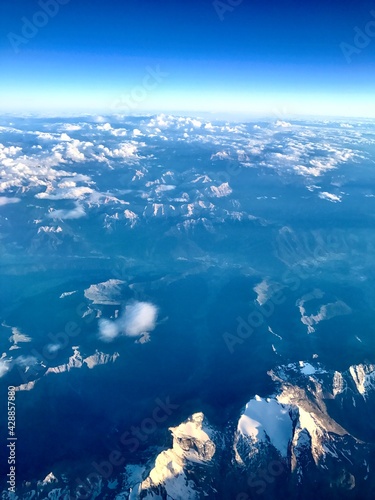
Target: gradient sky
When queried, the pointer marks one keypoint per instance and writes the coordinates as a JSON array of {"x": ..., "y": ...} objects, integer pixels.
[{"x": 259, "y": 57}]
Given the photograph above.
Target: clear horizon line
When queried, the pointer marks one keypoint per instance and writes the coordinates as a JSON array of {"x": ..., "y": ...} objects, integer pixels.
[{"x": 196, "y": 114}]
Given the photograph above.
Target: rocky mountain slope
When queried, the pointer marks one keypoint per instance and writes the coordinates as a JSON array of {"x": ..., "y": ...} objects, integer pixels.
[{"x": 298, "y": 441}]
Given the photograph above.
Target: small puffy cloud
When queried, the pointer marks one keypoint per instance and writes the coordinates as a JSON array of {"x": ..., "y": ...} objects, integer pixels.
[
  {"x": 196, "y": 123},
  {"x": 108, "y": 330},
  {"x": 75, "y": 213},
  {"x": 45, "y": 135},
  {"x": 26, "y": 361},
  {"x": 66, "y": 192},
  {"x": 282, "y": 124},
  {"x": 308, "y": 171},
  {"x": 9, "y": 151},
  {"x": 138, "y": 319},
  {"x": 71, "y": 126},
  {"x": 23, "y": 361},
  {"x": 162, "y": 121},
  {"x": 330, "y": 197},
  {"x": 4, "y": 200},
  {"x": 118, "y": 132},
  {"x": 17, "y": 336},
  {"x": 67, "y": 184},
  {"x": 124, "y": 150},
  {"x": 4, "y": 367},
  {"x": 106, "y": 127},
  {"x": 73, "y": 153},
  {"x": 164, "y": 187},
  {"x": 70, "y": 149},
  {"x": 52, "y": 348},
  {"x": 65, "y": 137}
]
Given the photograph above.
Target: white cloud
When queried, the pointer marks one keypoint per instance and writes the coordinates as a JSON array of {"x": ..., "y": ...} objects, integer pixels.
[
  {"x": 163, "y": 121},
  {"x": 4, "y": 200},
  {"x": 5, "y": 152},
  {"x": 106, "y": 127},
  {"x": 138, "y": 319},
  {"x": 99, "y": 119},
  {"x": 327, "y": 164},
  {"x": 330, "y": 197},
  {"x": 119, "y": 132},
  {"x": 71, "y": 126},
  {"x": 75, "y": 213},
  {"x": 70, "y": 149},
  {"x": 66, "y": 193},
  {"x": 316, "y": 170},
  {"x": 53, "y": 348},
  {"x": 26, "y": 171},
  {"x": 26, "y": 361},
  {"x": 282, "y": 124},
  {"x": 108, "y": 330},
  {"x": 17, "y": 336},
  {"x": 67, "y": 184},
  {"x": 196, "y": 123},
  {"x": 164, "y": 187},
  {"x": 4, "y": 366},
  {"x": 45, "y": 135},
  {"x": 125, "y": 150},
  {"x": 65, "y": 137},
  {"x": 73, "y": 153}
]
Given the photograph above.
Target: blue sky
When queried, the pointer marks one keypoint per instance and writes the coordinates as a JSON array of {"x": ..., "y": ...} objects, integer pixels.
[{"x": 247, "y": 57}]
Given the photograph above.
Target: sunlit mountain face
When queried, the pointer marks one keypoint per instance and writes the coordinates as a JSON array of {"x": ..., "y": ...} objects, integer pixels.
[{"x": 187, "y": 307}]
